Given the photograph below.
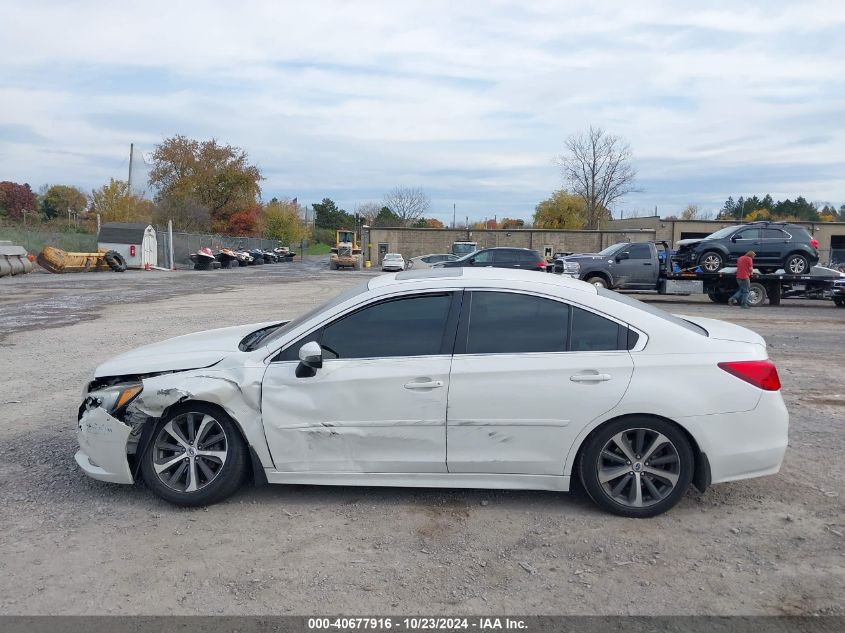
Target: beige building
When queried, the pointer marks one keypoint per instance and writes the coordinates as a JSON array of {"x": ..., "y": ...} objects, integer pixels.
[{"x": 414, "y": 242}]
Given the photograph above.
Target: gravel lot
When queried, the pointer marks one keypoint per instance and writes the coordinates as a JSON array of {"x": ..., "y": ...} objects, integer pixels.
[{"x": 71, "y": 545}]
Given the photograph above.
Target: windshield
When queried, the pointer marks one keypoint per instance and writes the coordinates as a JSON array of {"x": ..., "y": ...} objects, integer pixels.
[
  {"x": 334, "y": 301},
  {"x": 721, "y": 233},
  {"x": 465, "y": 248},
  {"x": 611, "y": 250}
]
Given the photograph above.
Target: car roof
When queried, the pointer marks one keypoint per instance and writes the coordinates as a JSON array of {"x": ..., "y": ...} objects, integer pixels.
[{"x": 463, "y": 277}]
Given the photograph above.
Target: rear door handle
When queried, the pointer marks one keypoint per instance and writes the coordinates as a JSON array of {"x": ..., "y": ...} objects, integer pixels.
[
  {"x": 590, "y": 377},
  {"x": 429, "y": 384}
]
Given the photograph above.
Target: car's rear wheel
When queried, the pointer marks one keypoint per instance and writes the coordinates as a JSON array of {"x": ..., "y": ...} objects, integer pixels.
[
  {"x": 598, "y": 282},
  {"x": 797, "y": 264},
  {"x": 637, "y": 466},
  {"x": 197, "y": 456},
  {"x": 711, "y": 261}
]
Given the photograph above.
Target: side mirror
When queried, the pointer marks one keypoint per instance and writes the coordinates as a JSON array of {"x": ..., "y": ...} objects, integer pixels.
[
  {"x": 311, "y": 355},
  {"x": 622, "y": 256},
  {"x": 472, "y": 261},
  {"x": 734, "y": 238}
]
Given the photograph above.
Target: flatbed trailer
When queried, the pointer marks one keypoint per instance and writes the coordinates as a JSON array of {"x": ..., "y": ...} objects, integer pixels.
[{"x": 718, "y": 286}]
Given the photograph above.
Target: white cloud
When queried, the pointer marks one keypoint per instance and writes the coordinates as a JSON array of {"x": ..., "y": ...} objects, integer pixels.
[{"x": 469, "y": 100}]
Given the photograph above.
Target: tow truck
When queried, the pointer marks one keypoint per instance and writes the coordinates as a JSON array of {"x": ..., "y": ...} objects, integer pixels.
[{"x": 647, "y": 266}]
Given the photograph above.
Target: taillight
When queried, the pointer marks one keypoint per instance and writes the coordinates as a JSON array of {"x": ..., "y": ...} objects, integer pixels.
[
  {"x": 541, "y": 265},
  {"x": 814, "y": 243},
  {"x": 761, "y": 373}
]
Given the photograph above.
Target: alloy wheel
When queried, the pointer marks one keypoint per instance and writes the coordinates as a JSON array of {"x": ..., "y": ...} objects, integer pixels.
[
  {"x": 638, "y": 467},
  {"x": 797, "y": 265},
  {"x": 189, "y": 452},
  {"x": 711, "y": 262}
]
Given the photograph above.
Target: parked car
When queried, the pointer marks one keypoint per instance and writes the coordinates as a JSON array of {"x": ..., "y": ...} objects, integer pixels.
[
  {"x": 426, "y": 261},
  {"x": 777, "y": 245},
  {"x": 393, "y": 261},
  {"x": 634, "y": 402},
  {"x": 839, "y": 293},
  {"x": 500, "y": 257}
]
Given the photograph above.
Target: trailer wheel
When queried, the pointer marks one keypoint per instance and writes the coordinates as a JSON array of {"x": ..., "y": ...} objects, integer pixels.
[
  {"x": 756, "y": 294},
  {"x": 839, "y": 303},
  {"x": 115, "y": 261}
]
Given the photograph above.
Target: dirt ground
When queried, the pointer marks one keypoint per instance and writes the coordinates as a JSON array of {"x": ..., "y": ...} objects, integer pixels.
[{"x": 71, "y": 545}]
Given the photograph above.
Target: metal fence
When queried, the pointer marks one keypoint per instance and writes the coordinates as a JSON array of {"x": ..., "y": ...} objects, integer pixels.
[{"x": 186, "y": 244}]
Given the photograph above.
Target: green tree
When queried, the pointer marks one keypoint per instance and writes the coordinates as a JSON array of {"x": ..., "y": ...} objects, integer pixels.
[
  {"x": 386, "y": 218},
  {"x": 282, "y": 221},
  {"x": 562, "y": 210},
  {"x": 116, "y": 203},
  {"x": 59, "y": 199},
  {"x": 205, "y": 174},
  {"x": 328, "y": 216}
]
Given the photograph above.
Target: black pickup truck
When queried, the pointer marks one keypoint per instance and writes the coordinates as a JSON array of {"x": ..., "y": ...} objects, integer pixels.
[{"x": 647, "y": 266}]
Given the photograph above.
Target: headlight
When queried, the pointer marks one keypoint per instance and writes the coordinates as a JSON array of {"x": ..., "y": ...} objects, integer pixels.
[
  {"x": 571, "y": 267},
  {"x": 113, "y": 398}
]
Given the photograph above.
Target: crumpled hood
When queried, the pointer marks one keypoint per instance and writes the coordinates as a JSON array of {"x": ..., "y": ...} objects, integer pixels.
[
  {"x": 689, "y": 242},
  {"x": 190, "y": 351}
]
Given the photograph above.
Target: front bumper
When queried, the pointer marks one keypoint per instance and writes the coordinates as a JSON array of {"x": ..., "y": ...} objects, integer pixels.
[{"x": 102, "y": 447}]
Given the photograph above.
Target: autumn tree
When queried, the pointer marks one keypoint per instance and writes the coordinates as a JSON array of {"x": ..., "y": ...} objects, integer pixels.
[
  {"x": 205, "y": 174},
  {"x": 408, "y": 203},
  {"x": 15, "y": 199},
  {"x": 598, "y": 168},
  {"x": 562, "y": 210},
  {"x": 511, "y": 223},
  {"x": 283, "y": 222},
  {"x": 59, "y": 199},
  {"x": 116, "y": 203},
  {"x": 691, "y": 212}
]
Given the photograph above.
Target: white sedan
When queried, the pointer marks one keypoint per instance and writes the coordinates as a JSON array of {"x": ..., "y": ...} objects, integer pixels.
[
  {"x": 428, "y": 261},
  {"x": 393, "y": 261},
  {"x": 544, "y": 378}
]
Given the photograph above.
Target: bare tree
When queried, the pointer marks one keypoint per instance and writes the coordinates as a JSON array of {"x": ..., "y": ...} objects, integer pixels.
[
  {"x": 368, "y": 211},
  {"x": 598, "y": 169},
  {"x": 408, "y": 203},
  {"x": 691, "y": 212}
]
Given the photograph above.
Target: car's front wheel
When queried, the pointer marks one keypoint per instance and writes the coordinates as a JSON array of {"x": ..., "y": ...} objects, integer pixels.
[
  {"x": 711, "y": 261},
  {"x": 637, "y": 466},
  {"x": 196, "y": 457}
]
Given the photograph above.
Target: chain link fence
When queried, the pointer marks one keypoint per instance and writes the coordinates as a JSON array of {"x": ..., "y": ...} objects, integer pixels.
[{"x": 186, "y": 244}]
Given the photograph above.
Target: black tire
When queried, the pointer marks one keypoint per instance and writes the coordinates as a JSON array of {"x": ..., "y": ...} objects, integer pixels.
[
  {"x": 224, "y": 480},
  {"x": 115, "y": 261},
  {"x": 596, "y": 280},
  {"x": 839, "y": 303},
  {"x": 600, "y": 453},
  {"x": 719, "y": 297},
  {"x": 757, "y": 294},
  {"x": 796, "y": 264},
  {"x": 203, "y": 266},
  {"x": 711, "y": 261}
]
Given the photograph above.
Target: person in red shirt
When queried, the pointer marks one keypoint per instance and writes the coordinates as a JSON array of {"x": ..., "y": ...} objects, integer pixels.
[{"x": 744, "y": 266}]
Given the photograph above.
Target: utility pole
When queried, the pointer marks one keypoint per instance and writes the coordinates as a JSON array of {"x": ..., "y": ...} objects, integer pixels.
[
  {"x": 453, "y": 215},
  {"x": 131, "y": 147}
]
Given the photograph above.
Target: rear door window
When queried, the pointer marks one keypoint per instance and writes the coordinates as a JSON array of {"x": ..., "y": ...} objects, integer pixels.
[
  {"x": 529, "y": 258},
  {"x": 510, "y": 323},
  {"x": 505, "y": 256}
]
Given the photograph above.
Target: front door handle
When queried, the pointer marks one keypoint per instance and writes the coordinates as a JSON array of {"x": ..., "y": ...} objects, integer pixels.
[
  {"x": 429, "y": 384},
  {"x": 590, "y": 377}
]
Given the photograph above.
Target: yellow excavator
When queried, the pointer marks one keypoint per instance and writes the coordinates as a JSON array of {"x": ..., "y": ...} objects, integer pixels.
[{"x": 345, "y": 253}]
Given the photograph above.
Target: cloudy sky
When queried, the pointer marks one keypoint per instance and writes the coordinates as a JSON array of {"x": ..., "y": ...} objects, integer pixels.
[{"x": 469, "y": 100}]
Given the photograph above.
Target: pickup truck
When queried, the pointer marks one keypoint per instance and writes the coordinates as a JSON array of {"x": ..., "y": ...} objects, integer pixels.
[{"x": 647, "y": 266}]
